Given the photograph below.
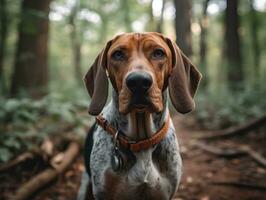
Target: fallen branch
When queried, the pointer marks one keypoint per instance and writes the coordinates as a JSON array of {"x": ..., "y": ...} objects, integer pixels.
[
  {"x": 44, "y": 152},
  {"x": 230, "y": 153},
  {"x": 45, "y": 177},
  {"x": 254, "y": 155},
  {"x": 236, "y": 130},
  {"x": 20, "y": 159},
  {"x": 239, "y": 184}
]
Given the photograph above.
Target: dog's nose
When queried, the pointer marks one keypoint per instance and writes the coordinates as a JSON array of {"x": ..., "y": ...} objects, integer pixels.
[{"x": 139, "y": 81}]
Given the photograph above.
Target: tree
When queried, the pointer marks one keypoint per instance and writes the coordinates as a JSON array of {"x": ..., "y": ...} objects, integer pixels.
[
  {"x": 159, "y": 28},
  {"x": 203, "y": 36},
  {"x": 75, "y": 41},
  {"x": 104, "y": 13},
  {"x": 30, "y": 70},
  {"x": 126, "y": 13},
  {"x": 254, "y": 36},
  {"x": 150, "y": 26},
  {"x": 182, "y": 25},
  {"x": 3, "y": 37},
  {"x": 232, "y": 49}
]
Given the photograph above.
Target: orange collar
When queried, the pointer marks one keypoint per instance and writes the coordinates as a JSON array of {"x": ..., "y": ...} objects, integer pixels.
[{"x": 134, "y": 146}]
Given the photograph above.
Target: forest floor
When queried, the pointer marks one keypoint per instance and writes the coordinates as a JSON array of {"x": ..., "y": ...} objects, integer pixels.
[{"x": 205, "y": 176}]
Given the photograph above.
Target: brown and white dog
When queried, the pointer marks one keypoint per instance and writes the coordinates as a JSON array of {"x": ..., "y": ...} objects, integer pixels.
[{"x": 132, "y": 153}]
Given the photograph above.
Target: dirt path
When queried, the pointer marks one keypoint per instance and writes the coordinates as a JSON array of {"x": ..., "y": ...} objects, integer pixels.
[{"x": 200, "y": 169}]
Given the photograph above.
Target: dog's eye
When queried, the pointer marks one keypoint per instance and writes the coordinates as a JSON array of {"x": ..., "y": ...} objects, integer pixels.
[
  {"x": 118, "y": 55},
  {"x": 158, "y": 54}
]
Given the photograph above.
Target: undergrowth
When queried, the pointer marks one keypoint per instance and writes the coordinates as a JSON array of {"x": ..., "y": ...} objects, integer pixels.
[
  {"x": 226, "y": 108},
  {"x": 24, "y": 123}
]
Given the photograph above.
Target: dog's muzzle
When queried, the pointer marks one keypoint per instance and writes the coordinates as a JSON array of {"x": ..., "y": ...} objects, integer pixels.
[{"x": 139, "y": 84}]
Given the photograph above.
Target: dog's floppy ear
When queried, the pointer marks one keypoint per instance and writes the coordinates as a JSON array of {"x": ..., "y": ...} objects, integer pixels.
[
  {"x": 183, "y": 81},
  {"x": 96, "y": 82}
]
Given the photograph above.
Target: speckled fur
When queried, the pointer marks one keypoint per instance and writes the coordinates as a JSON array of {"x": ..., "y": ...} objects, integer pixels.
[{"x": 155, "y": 174}]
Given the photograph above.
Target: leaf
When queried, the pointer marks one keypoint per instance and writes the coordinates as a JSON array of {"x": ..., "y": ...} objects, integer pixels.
[
  {"x": 12, "y": 142},
  {"x": 11, "y": 105},
  {"x": 67, "y": 116},
  {"x": 27, "y": 116},
  {"x": 5, "y": 154}
]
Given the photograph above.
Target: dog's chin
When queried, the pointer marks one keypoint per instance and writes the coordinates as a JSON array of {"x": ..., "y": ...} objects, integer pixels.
[
  {"x": 140, "y": 108},
  {"x": 140, "y": 104}
]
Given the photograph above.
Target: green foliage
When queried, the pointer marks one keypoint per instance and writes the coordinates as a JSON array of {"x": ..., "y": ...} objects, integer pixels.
[
  {"x": 225, "y": 108},
  {"x": 26, "y": 122}
]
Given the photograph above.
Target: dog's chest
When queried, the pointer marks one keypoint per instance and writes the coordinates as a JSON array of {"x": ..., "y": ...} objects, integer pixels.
[{"x": 154, "y": 174}]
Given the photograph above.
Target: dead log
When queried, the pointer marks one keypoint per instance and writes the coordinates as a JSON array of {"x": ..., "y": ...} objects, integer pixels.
[
  {"x": 231, "y": 153},
  {"x": 36, "y": 183},
  {"x": 227, "y": 153},
  {"x": 254, "y": 155},
  {"x": 29, "y": 155},
  {"x": 45, "y": 152},
  {"x": 239, "y": 184},
  {"x": 236, "y": 130}
]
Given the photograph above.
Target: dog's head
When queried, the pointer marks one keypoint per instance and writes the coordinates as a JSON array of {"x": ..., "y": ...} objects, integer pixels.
[{"x": 140, "y": 67}]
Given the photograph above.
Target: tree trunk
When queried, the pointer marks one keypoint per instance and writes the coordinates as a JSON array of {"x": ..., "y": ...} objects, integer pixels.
[
  {"x": 30, "y": 70},
  {"x": 150, "y": 26},
  {"x": 104, "y": 27},
  {"x": 3, "y": 36},
  {"x": 126, "y": 13},
  {"x": 203, "y": 45},
  {"x": 232, "y": 51},
  {"x": 160, "y": 22},
  {"x": 254, "y": 36},
  {"x": 203, "y": 35},
  {"x": 76, "y": 43},
  {"x": 182, "y": 25}
]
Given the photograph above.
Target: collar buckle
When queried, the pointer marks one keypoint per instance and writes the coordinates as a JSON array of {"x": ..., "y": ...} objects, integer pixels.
[{"x": 132, "y": 142}]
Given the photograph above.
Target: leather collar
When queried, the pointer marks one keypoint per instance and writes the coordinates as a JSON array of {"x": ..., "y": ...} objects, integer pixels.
[{"x": 132, "y": 145}]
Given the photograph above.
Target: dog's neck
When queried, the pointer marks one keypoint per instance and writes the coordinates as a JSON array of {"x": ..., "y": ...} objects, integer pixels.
[{"x": 138, "y": 126}]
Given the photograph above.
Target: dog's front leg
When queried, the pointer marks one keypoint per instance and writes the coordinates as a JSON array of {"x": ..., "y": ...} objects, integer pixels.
[{"x": 85, "y": 192}]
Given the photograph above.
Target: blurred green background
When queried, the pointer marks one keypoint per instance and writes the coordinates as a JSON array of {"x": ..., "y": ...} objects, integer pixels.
[{"x": 47, "y": 46}]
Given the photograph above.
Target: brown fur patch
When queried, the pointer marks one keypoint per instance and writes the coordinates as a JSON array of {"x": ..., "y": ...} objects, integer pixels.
[{"x": 111, "y": 186}]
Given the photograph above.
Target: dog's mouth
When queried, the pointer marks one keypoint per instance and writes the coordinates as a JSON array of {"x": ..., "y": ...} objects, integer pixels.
[
  {"x": 139, "y": 107},
  {"x": 140, "y": 103},
  {"x": 150, "y": 101}
]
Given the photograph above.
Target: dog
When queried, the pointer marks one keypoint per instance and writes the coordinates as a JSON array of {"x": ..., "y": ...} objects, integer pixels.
[{"x": 132, "y": 153}]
